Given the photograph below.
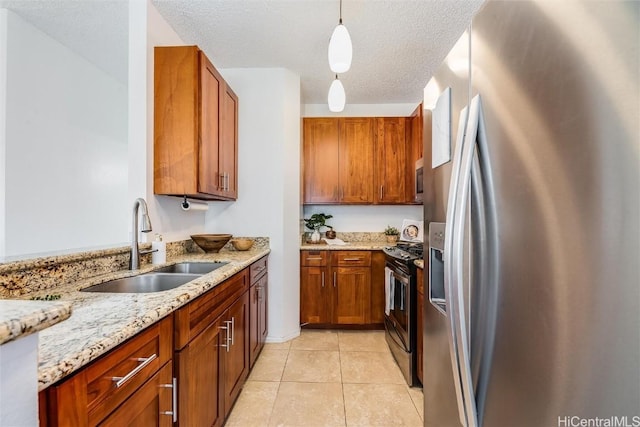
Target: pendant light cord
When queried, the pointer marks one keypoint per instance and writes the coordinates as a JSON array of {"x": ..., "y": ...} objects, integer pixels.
[{"x": 340, "y": 12}]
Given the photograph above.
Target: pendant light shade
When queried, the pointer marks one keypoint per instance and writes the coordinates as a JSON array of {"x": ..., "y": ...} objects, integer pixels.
[
  {"x": 337, "y": 97},
  {"x": 340, "y": 49}
]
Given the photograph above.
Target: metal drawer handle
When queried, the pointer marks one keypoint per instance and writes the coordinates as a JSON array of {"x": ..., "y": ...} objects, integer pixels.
[
  {"x": 260, "y": 268},
  {"x": 227, "y": 339},
  {"x": 233, "y": 330},
  {"x": 174, "y": 399},
  {"x": 314, "y": 258},
  {"x": 145, "y": 361},
  {"x": 352, "y": 259}
]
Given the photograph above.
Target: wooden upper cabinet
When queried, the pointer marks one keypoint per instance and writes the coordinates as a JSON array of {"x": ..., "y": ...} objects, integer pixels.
[
  {"x": 338, "y": 160},
  {"x": 195, "y": 127},
  {"x": 320, "y": 151},
  {"x": 356, "y": 160},
  {"x": 391, "y": 160}
]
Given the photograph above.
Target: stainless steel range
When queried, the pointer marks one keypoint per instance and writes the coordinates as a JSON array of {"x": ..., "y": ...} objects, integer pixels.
[{"x": 400, "y": 305}]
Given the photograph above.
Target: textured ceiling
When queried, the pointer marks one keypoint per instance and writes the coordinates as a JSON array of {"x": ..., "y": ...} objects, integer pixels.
[
  {"x": 98, "y": 30},
  {"x": 397, "y": 44}
]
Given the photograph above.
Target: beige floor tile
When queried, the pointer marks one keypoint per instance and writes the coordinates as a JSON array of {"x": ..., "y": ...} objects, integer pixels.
[
  {"x": 362, "y": 341},
  {"x": 379, "y": 405},
  {"x": 369, "y": 367},
  {"x": 254, "y": 405},
  {"x": 269, "y": 366},
  {"x": 418, "y": 400},
  {"x": 312, "y": 366},
  {"x": 316, "y": 340},
  {"x": 277, "y": 345},
  {"x": 308, "y": 404}
]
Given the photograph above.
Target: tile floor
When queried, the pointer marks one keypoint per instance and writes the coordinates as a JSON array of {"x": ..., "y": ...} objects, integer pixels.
[{"x": 327, "y": 378}]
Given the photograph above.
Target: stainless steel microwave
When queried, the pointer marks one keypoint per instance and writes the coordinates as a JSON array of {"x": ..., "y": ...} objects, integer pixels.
[{"x": 419, "y": 175}]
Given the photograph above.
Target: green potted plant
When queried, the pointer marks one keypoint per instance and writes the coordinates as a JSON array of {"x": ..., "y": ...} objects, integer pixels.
[
  {"x": 315, "y": 223},
  {"x": 392, "y": 234}
]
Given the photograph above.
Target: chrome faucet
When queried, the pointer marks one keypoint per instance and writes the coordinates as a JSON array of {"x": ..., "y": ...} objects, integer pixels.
[{"x": 145, "y": 227}]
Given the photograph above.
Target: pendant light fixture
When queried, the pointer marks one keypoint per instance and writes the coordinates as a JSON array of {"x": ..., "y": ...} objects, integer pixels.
[
  {"x": 340, "y": 49},
  {"x": 337, "y": 97}
]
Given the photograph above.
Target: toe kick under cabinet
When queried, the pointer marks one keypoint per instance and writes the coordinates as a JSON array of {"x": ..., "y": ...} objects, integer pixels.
[
  {"x": 342, "y": 288},
  {"x": 186, "y": 370}
]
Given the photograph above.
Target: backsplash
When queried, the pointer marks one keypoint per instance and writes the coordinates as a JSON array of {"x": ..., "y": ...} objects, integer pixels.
[{"x": 23, "y": 277}]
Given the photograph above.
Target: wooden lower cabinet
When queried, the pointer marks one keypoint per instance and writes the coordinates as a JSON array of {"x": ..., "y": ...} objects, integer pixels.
[
  {"x": 338, "y": 288},
  {"x": 198, "y": 368},
  {"x": 258, "y": 294},
  {"x": 204, "y": 347},
  {"x": 419, "y": 329},
  {"x": 150, "y": 405},
  {"x": 236, "y": 354}
]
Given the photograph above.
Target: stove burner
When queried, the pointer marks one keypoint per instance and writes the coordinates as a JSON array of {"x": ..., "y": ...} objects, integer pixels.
[{"x": 406, "y": 252}]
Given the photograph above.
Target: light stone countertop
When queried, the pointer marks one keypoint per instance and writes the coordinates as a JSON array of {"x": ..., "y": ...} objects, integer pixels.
[
  {"x": 419, "y": 263},
  {"x": 101, "y": 321},
  {"x": 19, "y": 318},
  {"x": 350, "y": 246}
]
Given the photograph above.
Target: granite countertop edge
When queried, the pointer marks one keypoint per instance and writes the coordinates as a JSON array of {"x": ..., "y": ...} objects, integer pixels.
[
  {"x": 19, "y": 318},
  {"x": 102, "y": 321},
  {"x": 419, "y": 263}
]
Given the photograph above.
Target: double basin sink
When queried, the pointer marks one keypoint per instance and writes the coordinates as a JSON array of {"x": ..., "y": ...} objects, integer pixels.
[{"x": 163, "y": 279}]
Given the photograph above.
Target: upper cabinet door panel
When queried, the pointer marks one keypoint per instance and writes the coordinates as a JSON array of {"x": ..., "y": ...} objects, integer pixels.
[
  {"x": 320, "y": 150},
  {"x": 356, "y": 160},
  {"x": 229, "y": 142},
  {"x": 211, "y": 85},
  {"x": 391, "y": 160},
  {"x": 175, "y": 120}
]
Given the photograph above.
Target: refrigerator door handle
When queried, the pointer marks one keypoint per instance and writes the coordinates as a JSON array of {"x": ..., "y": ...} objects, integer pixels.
[
  {"x": 457, "y": 261},
  {"x": 450, "y": 280}
]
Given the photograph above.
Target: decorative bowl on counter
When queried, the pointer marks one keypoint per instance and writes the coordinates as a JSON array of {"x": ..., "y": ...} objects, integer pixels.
[
  {"x": 211, "y": 243},
  {"x": 242, "y": 244}
]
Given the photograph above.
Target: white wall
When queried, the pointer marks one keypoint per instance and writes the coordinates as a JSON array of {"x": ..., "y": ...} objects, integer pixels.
[
  {"x": 19, "y": 382},
  {"x": 65, "y": 147},
  {"x": 268, "y": 184},
  {"x": 365, "y": 218}
]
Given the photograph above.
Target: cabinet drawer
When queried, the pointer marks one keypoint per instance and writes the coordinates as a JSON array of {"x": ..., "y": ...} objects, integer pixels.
[
  {"x": 113, "y": 378},
  {"x": 313, "y": 258},
  {"x": 351, "y": 258},
  {"x": 257, "y": 270},
  {"x": 201, "y": 312}
]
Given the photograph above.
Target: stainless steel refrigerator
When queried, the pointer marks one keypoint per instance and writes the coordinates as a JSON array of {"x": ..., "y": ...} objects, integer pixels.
[{"x": 541, "y": 201}]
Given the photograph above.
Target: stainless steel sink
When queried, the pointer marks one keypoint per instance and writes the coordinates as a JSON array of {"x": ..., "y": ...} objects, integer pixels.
[
  {"x": 150, "y": 282},
  {"x": 192, "y": 267}
]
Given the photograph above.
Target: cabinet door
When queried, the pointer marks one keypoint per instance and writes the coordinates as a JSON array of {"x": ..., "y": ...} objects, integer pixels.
[
  {"x": 377, "y": 287},
  {"x": 356, "y": 160},
  {"x": 150, "y": 405},
  {"x": 263, "y": 327},
  {"x": 313, "y": 295},
  {"x": 320, "y": 153},
  {"x": 254, "y": 338},
  {"x": 199, "y": 374},
  {"x": 228, "y": 148},
  {"x": 351, "y": 295},
  {"x": 391, "y": 160},
  {"x": 211, "y": 86},
  {"x": 257, "y": 318},
  {"x": 236, "y": 360}
]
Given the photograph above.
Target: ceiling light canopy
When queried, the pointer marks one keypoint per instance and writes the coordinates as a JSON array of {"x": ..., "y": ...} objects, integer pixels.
[
  {"x": 340, "y": 48},
  {"x": 337, "y": 97}
]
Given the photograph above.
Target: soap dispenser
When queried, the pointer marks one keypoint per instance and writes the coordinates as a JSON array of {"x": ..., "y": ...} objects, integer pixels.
[{"x": 159, "y": 256}]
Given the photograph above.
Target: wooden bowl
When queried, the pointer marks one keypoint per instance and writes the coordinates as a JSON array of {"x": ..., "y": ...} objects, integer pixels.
[
  {"x": 211, "y": 243},
  {"x": 242, "y": 244}
]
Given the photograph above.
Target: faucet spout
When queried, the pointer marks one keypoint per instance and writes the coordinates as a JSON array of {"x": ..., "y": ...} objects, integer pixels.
[{"x": 145, "y": 227}]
